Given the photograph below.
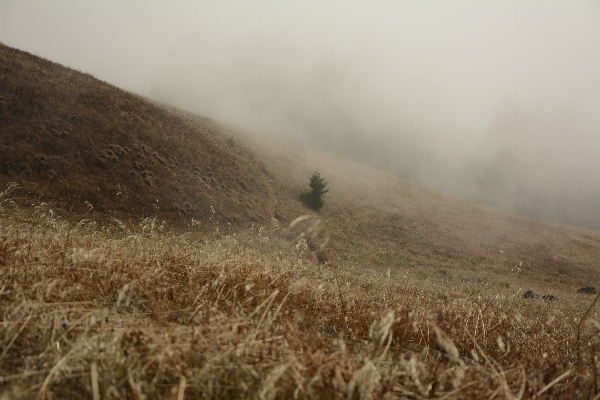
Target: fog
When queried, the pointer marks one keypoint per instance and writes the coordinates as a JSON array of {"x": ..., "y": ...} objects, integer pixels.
[{"x": 495, "y": 102}]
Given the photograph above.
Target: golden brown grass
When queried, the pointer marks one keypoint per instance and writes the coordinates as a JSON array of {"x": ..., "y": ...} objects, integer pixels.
[{"x": 139, "y": 311}]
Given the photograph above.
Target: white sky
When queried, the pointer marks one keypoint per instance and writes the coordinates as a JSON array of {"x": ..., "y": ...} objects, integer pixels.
[{"x": 462, "y": 58}]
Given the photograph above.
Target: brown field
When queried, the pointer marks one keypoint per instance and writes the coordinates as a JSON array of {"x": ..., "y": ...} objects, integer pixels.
[{"x": 149, "y": 253}]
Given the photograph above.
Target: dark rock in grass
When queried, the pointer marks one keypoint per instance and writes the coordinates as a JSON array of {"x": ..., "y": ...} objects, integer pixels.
[
  {"x": 587, "y": 290},
  {"x": 530, "y": 295},
  {"x": 549, "y": 297}
]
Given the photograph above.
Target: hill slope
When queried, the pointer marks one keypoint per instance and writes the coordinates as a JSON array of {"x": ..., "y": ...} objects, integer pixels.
[
  {"x": 379, "y": 221},
  {"x": 91, "y": 148}
]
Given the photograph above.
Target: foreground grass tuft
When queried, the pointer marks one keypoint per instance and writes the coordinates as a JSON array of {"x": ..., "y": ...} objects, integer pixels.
[{"x": 141, "y": 312}]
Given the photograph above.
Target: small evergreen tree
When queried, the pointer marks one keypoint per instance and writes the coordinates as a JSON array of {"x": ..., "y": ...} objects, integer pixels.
[{"x": 314, "y": 198}]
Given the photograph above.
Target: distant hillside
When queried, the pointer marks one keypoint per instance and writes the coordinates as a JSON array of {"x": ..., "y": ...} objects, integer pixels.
[
  {"x": 378, "y": 221},
  {"x": 93, "y": 149}
]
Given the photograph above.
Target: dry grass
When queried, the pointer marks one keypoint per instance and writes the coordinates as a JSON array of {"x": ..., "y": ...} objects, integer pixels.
[
  {"x": 142, "y": 312},
  {"x": 394, "y": 291}
]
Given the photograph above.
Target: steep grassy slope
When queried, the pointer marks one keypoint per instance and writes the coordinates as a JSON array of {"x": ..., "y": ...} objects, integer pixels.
[{"x": 91, "y": 148}]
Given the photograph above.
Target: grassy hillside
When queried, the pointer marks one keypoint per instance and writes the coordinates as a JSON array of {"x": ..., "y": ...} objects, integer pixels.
[
  {"x": 378, "y": 221},
  {"x": 392, "y": 291},
  {"x": 91, "y": 148}
]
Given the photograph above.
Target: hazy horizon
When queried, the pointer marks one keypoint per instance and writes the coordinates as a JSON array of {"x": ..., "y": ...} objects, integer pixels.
[{"x": 494, "y": 102}]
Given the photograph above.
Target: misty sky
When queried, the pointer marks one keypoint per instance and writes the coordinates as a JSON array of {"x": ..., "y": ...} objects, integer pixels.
[{"x": 497, "y": 102}]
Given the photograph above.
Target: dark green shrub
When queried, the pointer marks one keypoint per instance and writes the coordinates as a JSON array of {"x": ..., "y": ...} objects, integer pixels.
[{"x": 314, "y": 198}]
